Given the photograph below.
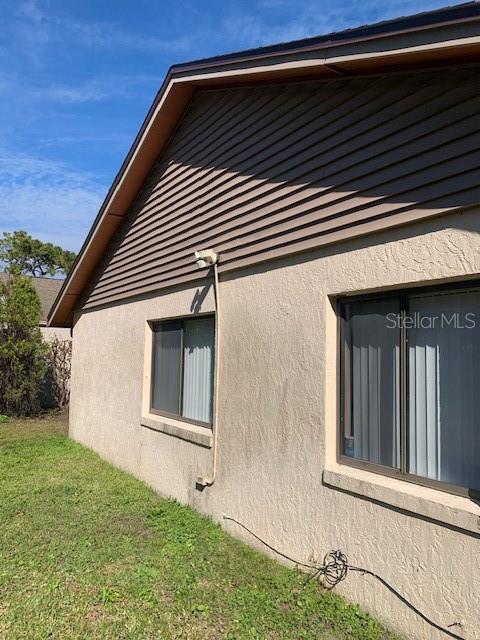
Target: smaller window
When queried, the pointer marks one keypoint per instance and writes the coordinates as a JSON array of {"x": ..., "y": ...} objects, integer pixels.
[{"x": 183, "y": 368}]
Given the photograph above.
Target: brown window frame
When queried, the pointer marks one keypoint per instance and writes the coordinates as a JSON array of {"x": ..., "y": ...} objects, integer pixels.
[
  {"x": 167, "y": 414},
  {"x": 343, "y": 374}
]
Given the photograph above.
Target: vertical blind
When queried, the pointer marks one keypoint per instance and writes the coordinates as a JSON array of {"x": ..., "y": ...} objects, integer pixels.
[
  {"x": 444, "y": 399},
  {"x": 183, "y": 368},
  {"x": 374, "y": 390},
  {"x": 167, "y": 366}
]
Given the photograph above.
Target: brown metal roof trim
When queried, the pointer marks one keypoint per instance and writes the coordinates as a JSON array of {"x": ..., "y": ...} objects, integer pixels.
[{"x": 435, "y": 37}]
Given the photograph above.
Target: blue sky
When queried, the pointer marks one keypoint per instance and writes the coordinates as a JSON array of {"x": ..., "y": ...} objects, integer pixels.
[{"x": 77, "y": 77}]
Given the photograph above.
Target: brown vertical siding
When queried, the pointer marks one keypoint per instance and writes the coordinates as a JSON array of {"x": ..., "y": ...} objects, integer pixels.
[{"x": 257, "y": 173}]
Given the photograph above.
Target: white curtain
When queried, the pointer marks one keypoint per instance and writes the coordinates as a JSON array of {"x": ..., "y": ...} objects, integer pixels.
[
  {"x": 199, "y": 346},
  {"x": 444, "y": 398}
]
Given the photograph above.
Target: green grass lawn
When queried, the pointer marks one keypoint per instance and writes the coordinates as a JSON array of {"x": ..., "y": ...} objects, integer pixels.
[{"x": 87, "y": 551}]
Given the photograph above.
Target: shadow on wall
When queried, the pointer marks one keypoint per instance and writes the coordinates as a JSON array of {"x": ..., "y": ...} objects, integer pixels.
[{"x": 199, "y": 298}]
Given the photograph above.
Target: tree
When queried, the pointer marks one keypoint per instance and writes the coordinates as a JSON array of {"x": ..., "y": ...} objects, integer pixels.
[
  {"x": 22, "y": 350},
  {"x": 23, "y": 254}
]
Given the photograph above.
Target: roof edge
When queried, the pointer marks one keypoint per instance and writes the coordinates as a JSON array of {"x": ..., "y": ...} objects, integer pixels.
[{"x": 405, "y": 24}]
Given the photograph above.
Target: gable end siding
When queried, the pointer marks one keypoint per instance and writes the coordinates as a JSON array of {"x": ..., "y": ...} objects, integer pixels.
[{"x": 257, "y": 173}]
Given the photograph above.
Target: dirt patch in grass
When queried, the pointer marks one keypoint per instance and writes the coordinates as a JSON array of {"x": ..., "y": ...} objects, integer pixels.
[{"x": 132, "y": 526}]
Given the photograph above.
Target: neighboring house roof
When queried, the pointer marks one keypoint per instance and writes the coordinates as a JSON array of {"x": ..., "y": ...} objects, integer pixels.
[
  {"x": 449, "y": 35},
  {"x": 47, "y": 290}
]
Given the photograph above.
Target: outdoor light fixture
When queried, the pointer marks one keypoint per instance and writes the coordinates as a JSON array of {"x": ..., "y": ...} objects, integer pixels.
[{"x": 205, "y": 258}]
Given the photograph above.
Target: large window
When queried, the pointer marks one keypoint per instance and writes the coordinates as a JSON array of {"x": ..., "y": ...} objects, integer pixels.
[
  {"x": 410, "y": 398},
  {"x": 183, "y": 368}
]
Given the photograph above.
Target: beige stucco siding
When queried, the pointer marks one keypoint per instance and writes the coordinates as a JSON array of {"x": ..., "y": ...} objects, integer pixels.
[
  {"x": 49, "y": 333},
  {"x": 278, "y": 423}
]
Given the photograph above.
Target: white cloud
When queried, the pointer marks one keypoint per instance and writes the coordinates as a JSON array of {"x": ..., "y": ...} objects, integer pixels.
[
  {"x": 92, "y": 91},
  {"x": 115, "y": 140},
  {"x": 108, "y": 35},
  {"x": 5, "y": 82},
  {"x": 37, "y": 28},
  {"x": 48, "y": 199},
  {"x": 31, "y": 11},
  {"x": 31, "y": 30},
  {"x": 95, "y": 90}
]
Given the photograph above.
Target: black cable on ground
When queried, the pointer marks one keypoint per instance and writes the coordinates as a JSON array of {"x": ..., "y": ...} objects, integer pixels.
[
  {"x": 265, "y": 544},
  {"x": 335, "y": 568}
]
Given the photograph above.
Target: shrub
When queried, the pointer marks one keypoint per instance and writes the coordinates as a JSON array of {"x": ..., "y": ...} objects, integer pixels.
[
  {"x": 60, "y": 362},
  {"x": 22, "y": 350}
]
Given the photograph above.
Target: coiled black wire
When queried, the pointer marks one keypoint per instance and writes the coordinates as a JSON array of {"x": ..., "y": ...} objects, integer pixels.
[{"x": 335, "y": 568}]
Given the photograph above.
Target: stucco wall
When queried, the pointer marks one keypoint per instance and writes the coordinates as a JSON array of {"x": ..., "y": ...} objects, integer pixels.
[
  {"x": 278, "y": 423},
  {"x": 49, "y": 333}
]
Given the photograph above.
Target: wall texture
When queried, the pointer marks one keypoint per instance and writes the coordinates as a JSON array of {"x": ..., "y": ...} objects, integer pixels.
[
  {"x": 256, "y": 173},
  {"x": 49, "y": 333},
  {"x": 278, "y": 421}
]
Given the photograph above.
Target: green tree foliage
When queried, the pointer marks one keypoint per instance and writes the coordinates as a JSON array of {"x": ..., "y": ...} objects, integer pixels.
[
  {"x": 20, "y": 253},
  {"x": 22, "y": 350}
]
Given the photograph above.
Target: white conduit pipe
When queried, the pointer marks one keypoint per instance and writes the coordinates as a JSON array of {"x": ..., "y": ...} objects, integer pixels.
[{"x": 209, "y": 480}]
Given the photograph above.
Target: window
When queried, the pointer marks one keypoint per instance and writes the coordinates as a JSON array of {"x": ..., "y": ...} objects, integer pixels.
[
  {"x": 410, "y": 404},
  {"x": 182, "y": 368}
]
